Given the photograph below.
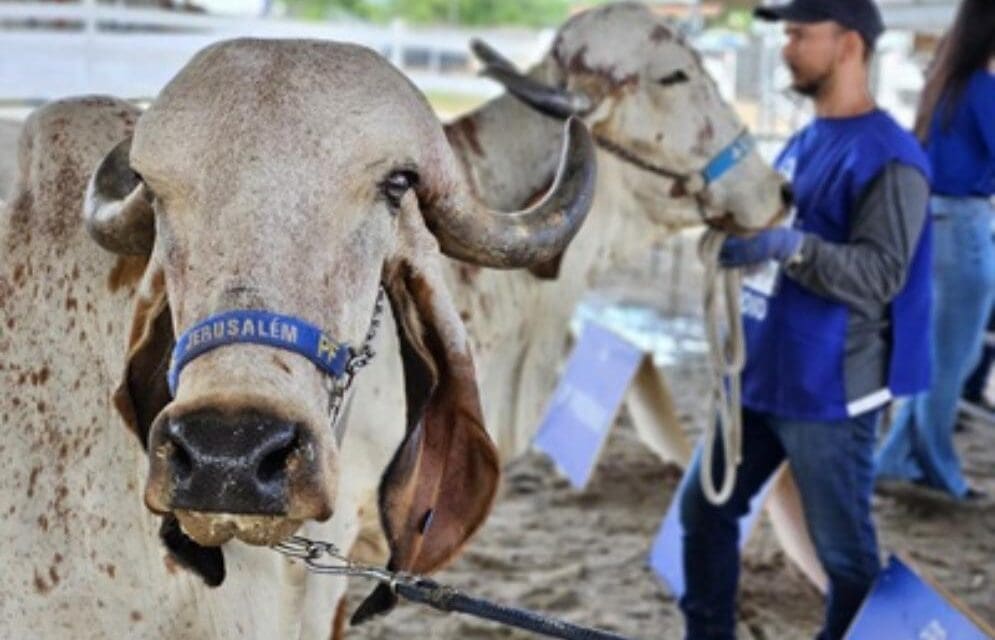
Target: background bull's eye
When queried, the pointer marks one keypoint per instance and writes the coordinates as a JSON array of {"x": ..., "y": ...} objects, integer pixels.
[
  {"x": 397, "y": 184},
  {"x": 676, "y": 77}
]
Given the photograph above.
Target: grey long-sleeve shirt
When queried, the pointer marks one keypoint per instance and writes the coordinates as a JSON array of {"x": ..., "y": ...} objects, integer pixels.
[{"x": 869, "y": 270}]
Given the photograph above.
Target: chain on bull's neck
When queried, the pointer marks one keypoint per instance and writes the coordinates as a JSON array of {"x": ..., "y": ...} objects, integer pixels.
[{"x": 338, "y": 387}]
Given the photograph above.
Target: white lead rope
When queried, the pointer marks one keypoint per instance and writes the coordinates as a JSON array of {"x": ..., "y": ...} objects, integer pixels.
[{"x": 726, "y": 358}]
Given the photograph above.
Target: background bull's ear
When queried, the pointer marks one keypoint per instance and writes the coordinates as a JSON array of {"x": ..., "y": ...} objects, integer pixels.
[
  {"x": 143, "y": 391},
  {"x": 441, "y": 483}
]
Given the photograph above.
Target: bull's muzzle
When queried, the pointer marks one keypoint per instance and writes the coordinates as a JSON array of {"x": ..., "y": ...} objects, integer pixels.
[{"x": 237, "y": 464}]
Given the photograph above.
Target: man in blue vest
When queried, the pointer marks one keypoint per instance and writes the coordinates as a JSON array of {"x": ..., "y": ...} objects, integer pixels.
[{"x": 836, "y": 319}]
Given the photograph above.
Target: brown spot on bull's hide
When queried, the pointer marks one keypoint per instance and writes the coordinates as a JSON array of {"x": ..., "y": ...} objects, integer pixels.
[
  {"x": 171, "y": 566},
  {"x": 660, "y": 34},
  {"x": 110, "y": 570},
  {"x": 43, "y": 374},
  {"x": 40, "y": 585},
  {"x": 136, "y": 616},
  {"x": 43, "y": 522},
  {"x": 278, "y": 361},
  {"x": 32, "y": 480},
  {"x": 126, "y": 272},
  {"x": 20, "y": 218},
  {"x": 467, "y": 273},
  {"x": 678, "y": 189},
  {"x": 53, "y": 575},
  {"x": 71, "y": 303},
  {"x": 705, "y": 136},
  {"x": 10, "y": 323},
  {"x": 578, "y": 65}
]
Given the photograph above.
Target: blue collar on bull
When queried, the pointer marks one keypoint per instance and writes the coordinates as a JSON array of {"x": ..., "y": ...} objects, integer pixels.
[
  {"x": 728, "y": 157},
  {"x": 258, "y": 327}
]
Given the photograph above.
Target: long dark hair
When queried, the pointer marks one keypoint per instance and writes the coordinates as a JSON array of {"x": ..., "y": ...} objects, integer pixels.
[{"x": 967, "y": 47}]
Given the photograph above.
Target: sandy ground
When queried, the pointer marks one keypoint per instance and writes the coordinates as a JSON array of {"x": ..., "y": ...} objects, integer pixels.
[{"x": 583, "y": 555}]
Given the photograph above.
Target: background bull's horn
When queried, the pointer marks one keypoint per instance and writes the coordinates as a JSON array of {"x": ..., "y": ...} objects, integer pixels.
[
  {"x": 558, "y": 103},
  {"x": 552, "y": 101},
  {"x": 468, "y": 230},
  {"x": 117, "y": 211},
  {"x": 488, "y": 55}
]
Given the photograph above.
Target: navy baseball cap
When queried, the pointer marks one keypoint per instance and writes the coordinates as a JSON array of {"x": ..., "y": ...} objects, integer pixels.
[{"x": 861, "y": 16}]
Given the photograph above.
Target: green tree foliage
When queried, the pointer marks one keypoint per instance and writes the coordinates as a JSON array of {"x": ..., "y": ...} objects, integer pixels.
[{"x": 466, "y": 12}]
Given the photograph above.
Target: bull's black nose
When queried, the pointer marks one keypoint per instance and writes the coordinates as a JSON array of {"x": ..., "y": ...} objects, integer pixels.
[
  {"x": 230, "y": 463},
  {"x": 787, "y": 194}
]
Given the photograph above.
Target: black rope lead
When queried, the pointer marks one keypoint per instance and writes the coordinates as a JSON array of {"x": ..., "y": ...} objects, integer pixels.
[{"x": 450, "y": 600}]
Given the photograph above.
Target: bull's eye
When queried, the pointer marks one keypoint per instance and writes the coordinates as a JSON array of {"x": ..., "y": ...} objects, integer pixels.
[
  {"x": 397, "y": 184},
  {"x": 671, "y": 79}
]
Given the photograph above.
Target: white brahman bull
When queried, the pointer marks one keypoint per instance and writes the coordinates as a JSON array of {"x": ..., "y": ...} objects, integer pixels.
[{"x": 288, "y": 178}]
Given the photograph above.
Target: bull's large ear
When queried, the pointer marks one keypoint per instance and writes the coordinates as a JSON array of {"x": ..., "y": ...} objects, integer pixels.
[
  {"x": 143, "y": 391},
  {"x": 441, "y": 483}
]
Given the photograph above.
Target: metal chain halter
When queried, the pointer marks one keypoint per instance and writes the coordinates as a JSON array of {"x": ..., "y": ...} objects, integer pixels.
[{"x": 338, "y": 387}]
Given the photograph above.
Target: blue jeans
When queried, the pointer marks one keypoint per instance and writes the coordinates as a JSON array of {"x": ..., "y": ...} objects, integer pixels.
[
  {"x": 919, "y": 446},
  {"x": 833, "y": 466}
]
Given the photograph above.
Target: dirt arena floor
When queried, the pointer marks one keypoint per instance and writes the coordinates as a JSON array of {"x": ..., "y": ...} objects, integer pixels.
[{"x": 583, "y": 556}]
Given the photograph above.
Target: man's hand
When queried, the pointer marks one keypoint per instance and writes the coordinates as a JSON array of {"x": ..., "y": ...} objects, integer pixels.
[{"x": 773, "y": 244}]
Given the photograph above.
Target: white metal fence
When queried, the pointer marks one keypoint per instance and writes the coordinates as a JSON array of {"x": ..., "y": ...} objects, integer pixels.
[{"x": 49, "y": 50}]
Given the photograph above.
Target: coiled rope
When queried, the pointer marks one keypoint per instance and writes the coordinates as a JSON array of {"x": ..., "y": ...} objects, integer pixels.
[{"x": 727, "y": 355}]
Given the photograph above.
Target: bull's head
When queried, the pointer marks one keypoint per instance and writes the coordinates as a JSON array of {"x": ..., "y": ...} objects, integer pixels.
[
  {"x": 649, "y": 101},
  {"x": 298, "y": 178}
]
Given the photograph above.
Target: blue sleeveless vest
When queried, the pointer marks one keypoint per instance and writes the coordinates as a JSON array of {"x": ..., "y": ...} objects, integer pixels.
[{"x": 796, "y": 339}]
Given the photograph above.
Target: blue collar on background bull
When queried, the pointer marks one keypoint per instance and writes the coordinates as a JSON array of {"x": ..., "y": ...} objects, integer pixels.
[
  {"x": 338, "y": 361},
  {"x": 729, "y": 157},
  {"x": 695, "y": 182}
]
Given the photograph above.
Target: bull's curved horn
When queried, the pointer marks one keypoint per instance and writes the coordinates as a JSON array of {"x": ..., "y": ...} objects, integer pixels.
[
  {"x": 468, "y": 230},
  {"x": 489, "y": 56},
  {"x": 558, "y": 103},
  {"x": 117, "y": 210}
]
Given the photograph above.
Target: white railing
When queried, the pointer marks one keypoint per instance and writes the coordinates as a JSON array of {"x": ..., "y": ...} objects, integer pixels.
[{"x": 51, "y": 50}]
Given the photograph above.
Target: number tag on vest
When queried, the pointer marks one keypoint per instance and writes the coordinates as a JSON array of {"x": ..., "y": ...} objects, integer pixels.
[{"x": 764, "y": 278}]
